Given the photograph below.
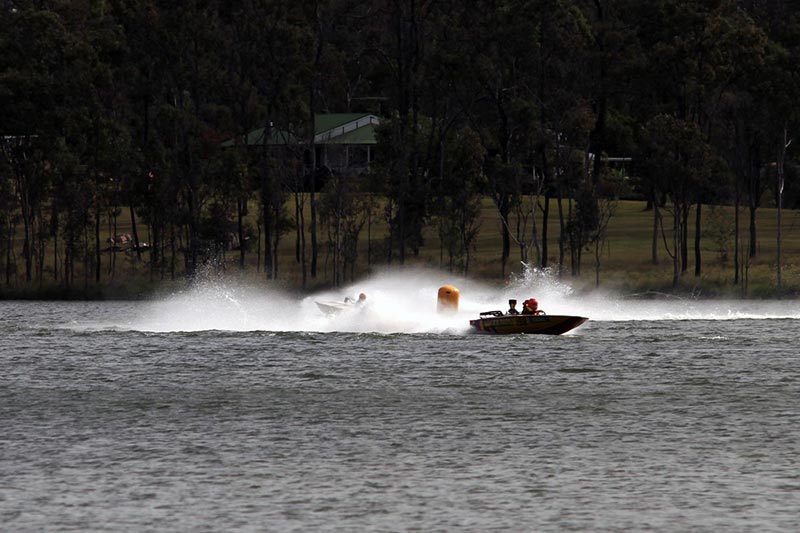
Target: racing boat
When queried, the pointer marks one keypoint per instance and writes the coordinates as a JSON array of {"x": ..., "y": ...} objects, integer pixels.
[
  {"x": 532, "y": 320},
  {"x": 334, "y": 308},
  {"x": 509, "y": 324}
]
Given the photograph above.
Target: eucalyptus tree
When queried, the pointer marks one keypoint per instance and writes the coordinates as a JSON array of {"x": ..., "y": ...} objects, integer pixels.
[
  {"x": 600, "y": 23},
  {"x": 189, "y": 42},
  {"x": 318, "y": 38},
  {"x": 268, "y": 61},
  {"x": 328, "y": 49},
  {"x": 737, "y": 60},
  {"x": 678, "y": 155},
  {"x": 456, "y": 189},
  {"x": 447, "y": 153},
  {"x": 780, "y": 81},
  {"x": 7, "y": 223},
  {"x": 403, "y": 49},
  {"x": 95, "y": 111},
  {"x": 33, "y": 41},
  {"x": 502, "y": 112},
  {"x": 557, "y": 89},
  {"x": 344, "y": 210},
  {"x": 700, "y": 51},
  {"x": 141, "y": 63},
  {"x": 242, "y": 109},
  {"x": 74, "y": 206},
  {"x": 756, "y": 106},
  {"x": 283, "y": 44},
  {"x": 786, "y": 80}
]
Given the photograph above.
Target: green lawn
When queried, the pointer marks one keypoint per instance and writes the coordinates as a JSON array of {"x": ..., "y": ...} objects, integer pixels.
[{"x": 626, "y": 262}]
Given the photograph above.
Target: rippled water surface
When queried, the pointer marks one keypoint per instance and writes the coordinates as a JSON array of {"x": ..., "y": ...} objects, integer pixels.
[{"x": 143, "y": 416}]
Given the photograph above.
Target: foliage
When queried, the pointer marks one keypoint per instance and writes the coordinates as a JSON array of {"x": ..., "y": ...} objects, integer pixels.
[{"x": 113, "y": 114}]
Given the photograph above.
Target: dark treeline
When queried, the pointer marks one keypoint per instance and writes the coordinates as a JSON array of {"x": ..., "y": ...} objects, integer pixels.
[{"x": 115, "y": 111}]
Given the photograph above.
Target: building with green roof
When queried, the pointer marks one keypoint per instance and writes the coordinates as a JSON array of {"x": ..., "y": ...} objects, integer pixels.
[{"x": 344, "y": 142}]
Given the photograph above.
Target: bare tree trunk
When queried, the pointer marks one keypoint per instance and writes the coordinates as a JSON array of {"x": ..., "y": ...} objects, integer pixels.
[
  {"x": 780, "y": 169},
  {"x": 54, "y": 234},
  {"x": 303, "y": 261},
  {"x": 598, "y": 134},
  {"x": 656, "y": 221},
  {"x": 41, "y": 248},
  {"x": 389, "y": 215},
  {"x": 135, "y": 234},
  {"x": 752, "y": 244},
  {"x": 112, "y": 267},
  {"x": 545, "y": 218},
  {"x": 684, "y": 238},
  {"x": 27, "y": 222},
  {"x": 736, "y": 237},
  {"x": 68, "y": 250},
  {"x": 561, "y": 232},
  {"x": 241, "y": 210},
  {"x": 754, "y": 169},
  {"x": 300, "y": 235},
  {"x": 369, "y": 232},
  {"x": 173, "y": 251},
  {"x": 312, "y": 109},
  {"x": 298, "y": 229},
  {"x": 87, "y": 256},
  {"x": 275, "y": 242},
  {"x": 267, "y": 213},
  {"x": 504, "y": 207},
  {"x": 9, "y": 250},
  {"x": 258, "y": 248},
  {"x": 97, "y": 252},
  {"x": 518, "y": 237},
  {"x": 597, "y": 250},
  {"x": 697, "y": 235},
  {"x": 676, "y": 241}
]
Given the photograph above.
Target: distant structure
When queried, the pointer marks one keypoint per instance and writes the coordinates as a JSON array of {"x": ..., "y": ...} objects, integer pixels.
[{"x": 344, "y": 142}]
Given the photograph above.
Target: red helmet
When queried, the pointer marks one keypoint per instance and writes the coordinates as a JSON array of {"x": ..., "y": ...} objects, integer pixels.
[{"x": 531, "y": 303}]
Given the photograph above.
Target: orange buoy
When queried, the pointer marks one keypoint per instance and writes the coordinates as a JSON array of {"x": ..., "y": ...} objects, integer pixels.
[{"x": 447, "y": 301}]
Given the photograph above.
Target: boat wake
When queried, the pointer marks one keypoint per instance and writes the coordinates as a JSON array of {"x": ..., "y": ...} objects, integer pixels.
[{"x": 406, "y": 302}]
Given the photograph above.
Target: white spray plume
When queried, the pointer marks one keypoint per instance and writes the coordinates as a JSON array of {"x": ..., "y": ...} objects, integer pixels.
[{"x": 404, "y": 301}]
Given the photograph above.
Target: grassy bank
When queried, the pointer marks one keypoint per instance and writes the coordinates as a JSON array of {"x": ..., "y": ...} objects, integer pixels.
[{"x": 626, "y": 263}]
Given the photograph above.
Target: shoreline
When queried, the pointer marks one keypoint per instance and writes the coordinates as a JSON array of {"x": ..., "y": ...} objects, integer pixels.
[{"x": 144, "y": 291}]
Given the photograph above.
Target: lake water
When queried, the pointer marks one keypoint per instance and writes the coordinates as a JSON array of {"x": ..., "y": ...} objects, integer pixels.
[{"x": 230, "y": 409}]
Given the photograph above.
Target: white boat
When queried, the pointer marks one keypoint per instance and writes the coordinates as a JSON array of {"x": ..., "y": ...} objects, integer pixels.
[{"x": 334, "y": 308}]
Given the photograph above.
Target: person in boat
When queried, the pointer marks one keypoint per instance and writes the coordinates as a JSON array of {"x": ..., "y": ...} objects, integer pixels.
[
  {"x": 512, "y": 310},
  {"x": 362, "y": 298},
  {"x": 530, "y": 307}
]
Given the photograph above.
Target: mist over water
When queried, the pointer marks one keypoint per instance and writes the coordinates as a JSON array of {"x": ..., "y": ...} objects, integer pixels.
[{"x": 405, "y": 302}]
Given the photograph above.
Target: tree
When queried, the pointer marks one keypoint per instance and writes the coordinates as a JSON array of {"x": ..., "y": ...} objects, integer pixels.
[
  {"x": 33, "y": 43},
  {"x": 779, "y": 80},
  {"x": 678, "y": 156},
  {"x": 456, "y": 196}
]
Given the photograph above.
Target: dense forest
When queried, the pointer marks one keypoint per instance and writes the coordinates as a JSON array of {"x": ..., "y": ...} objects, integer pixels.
[{"x": 137, "y": 113}]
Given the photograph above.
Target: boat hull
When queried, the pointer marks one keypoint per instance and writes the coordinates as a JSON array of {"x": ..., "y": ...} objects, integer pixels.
[
  {"x": 334, "y": 308},
  {"x": 537, "y": 324}
]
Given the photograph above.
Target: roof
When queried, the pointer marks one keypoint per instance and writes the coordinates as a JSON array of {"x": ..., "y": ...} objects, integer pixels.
[
  {"x": 332, "y": 128},
  {"x": 362, "y": 135},
  {"x": 329, "y": 121},
  {"x": 329, "y": 128},
  {"x": 256, "y": 138}
]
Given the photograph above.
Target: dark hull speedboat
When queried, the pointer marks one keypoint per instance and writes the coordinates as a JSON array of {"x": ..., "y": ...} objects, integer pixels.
[{"x": 499, "y": 324}]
